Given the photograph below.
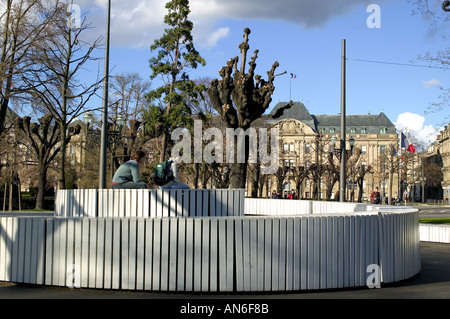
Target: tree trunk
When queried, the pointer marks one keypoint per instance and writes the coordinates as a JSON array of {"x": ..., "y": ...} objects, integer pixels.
[
  {"x": 299, "y": 190},
  {"x": 239, "y": 170},
  {"x": 42, "y": 185},
  {"x": 390, "y": 189},
  {"x": 330, "y": 188},
  {"x": 162, "y": 156},
  {"x": 360, "y": 189},
  {"x": 255, "y": 181},
  {"x": 3, "y": 108},
  {"x": 238, "y": 175},
  {"x": 62, "y": 163},
  {"x": 197, "y": 174}
]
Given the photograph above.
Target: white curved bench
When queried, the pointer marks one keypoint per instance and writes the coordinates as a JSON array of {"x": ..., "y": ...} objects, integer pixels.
[{"x": 213, "y": 253}]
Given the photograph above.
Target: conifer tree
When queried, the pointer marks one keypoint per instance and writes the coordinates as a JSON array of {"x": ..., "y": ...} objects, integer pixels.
[{"x": 175, "y": 56}]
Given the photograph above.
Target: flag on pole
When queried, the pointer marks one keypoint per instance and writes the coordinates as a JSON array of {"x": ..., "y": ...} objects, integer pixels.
[
  {"x": 293, "y": 76},
  {"x": 393, "y": 150},
  {"x": 407, "y": 144}
]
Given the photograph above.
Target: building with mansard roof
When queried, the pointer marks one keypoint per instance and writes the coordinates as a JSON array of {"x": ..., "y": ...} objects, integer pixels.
[{"x": 306, "y": 145}]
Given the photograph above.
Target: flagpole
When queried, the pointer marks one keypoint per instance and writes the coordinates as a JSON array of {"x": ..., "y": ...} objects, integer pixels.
[{"x": 290, "y": 81}]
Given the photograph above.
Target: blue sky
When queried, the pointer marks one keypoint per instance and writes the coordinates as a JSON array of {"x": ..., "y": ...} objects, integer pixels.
[{"x": 305, "y": 38}]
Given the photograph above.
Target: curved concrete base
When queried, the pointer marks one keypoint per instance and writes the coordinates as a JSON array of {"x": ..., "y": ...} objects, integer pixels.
[{"x": 213, "y": 254}]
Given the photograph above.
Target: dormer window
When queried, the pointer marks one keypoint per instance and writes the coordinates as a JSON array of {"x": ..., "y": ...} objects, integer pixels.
[
  {"x": 364, "y": 130},
  {"x": 383, "y": 130}
]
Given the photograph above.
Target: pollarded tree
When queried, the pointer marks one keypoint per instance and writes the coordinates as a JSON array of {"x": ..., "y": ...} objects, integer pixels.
[
  {"x": 240, "y": 98},
  {"x": 44, "y": 140},
  {"x": 176, "y": 55}
]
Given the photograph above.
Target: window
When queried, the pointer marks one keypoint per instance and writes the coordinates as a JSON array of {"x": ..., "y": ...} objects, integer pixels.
[
  {"x": 291, "y": 164},
  {"x": 353, "y": 130},
  {"x": 291, "y": 147},
  {"x": 364, "y": 130},
  {"x": 331, "y": 130},
  {"x": 363, "y": 149},
  {"x": 383, "y": 130},
  {"x": 285, "y": 147},
  {"x": 307, "y": 149},
  {"x": 382, "y": 148}
]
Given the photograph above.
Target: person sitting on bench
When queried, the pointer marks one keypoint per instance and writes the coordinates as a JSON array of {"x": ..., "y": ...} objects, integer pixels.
[{"x": 127, "y": 175}]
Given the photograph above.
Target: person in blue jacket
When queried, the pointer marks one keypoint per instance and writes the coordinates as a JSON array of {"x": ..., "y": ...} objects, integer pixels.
[{"x": 127, "y": 175}]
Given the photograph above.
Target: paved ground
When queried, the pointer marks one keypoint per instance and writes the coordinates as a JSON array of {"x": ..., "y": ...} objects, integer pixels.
[
  {"x": 430, "y": 211},
  {"x": 433, "y": 282}
]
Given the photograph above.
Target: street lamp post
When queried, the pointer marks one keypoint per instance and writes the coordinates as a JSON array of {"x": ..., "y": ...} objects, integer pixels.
[
  {"x": 114, "y": 135},
  {"x": 342, "y": 153},
  {"x": 343, "y": 157},
  {"x": 104, "y": 134},
  {"x": 88, "y": 119}
]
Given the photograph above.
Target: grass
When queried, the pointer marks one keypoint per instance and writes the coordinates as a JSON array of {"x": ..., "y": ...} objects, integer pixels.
[
  {"x": 441, "y": 221},
  {"x": 27, "y": 210}
]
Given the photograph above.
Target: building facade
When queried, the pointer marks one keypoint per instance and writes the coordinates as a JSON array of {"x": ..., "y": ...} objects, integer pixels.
[
  {"x": 308, "y": 162},
  {"x": 443, "y": 149}
]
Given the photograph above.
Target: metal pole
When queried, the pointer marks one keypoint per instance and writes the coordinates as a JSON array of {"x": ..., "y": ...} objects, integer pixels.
[
  {"x": 104, "y": 134},
  {"x": 343, "y": 148},
  {"x": 423, "y": 180}
]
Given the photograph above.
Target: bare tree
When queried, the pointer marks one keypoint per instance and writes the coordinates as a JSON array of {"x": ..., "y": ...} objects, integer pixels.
[
  {"x": 128, "y": 100},
  {"x": 437, "y": 17},
  {"x": 331, "y": 174},
  {"x": 22, "y": 26},
  {"x": 52, "y": 83},
  {"x": 361, "y": 172},
  {"x": 280, "y": 176},
  {"x": 128, "y": 92},
  {"x": 390, "y": 164}
]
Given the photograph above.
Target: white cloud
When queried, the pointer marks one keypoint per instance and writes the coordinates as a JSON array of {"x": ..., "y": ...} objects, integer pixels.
[
  {"x": 137, "y": 23},
  {"x": 413, "y": 124},
  {"x": 213, "y": 38},
  {"x": 431, "y": 83}
]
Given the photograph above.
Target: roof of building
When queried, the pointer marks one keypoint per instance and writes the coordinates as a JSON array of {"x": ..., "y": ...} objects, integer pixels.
[
  {"x": 372, "y": 123},
  {"x": 297, "y": 111}
]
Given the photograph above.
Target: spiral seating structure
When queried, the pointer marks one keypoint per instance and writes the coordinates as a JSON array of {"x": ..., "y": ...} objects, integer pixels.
[{"x": 208, "y": 241}]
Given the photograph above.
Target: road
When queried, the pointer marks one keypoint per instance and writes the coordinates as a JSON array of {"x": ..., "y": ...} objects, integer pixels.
[{"x": 430, "y": 211}]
